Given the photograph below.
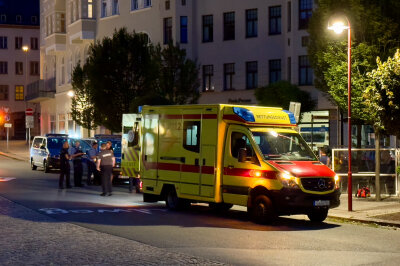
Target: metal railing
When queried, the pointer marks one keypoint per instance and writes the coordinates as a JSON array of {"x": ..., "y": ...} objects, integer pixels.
[
  {"x": 363, "y": 168},
  {"x": 41, "y": 89}
]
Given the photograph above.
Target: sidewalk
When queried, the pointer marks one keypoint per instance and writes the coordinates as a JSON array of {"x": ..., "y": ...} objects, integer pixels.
[
  {"x": 17, "y": 149},
  {"x": 365, "y": 210}
]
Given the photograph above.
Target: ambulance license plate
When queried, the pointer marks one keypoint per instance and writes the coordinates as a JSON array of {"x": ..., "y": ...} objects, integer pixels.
[{"x": 321, "y": 203}]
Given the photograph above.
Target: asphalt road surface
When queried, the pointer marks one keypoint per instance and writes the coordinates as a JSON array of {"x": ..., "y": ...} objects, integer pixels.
[{"x": 228, "y": 237}]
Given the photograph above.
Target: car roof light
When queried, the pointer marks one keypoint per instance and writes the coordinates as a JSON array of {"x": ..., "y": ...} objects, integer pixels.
[
  {"x": 140, "y": 107},
  {"x": 292, "y": 118},
  {"x": 244, "y": 113}
]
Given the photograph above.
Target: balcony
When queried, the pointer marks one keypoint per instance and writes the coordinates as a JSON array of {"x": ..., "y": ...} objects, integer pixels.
[
  {"x": 55, "y": 42},
  {"x": 82, "y": 29},
  {"x": 41, "y": 90}
]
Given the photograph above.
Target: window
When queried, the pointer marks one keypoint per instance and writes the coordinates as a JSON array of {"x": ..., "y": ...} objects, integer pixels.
[
  {"x": 3, "y": 18},
  {"x": 3, "y": 92},
  {"x": 251, "y": 75},
  {"x": 289, "y": 69},
  {"x": 104, "y": 8},
  {"x": 61, "y": 123},
  {"x": 251, "y": 23},
  {"x": 19, "y": 68},
  {"x": 147, "y": 3},
  {"x": 3, "y": 67},
  {"x": 305, "y": 71},
  {"x": 52, "y": 123},
  {"x": 34, "y": 19},
  {"x": 289, "y": 16},
  {"x": 208, "y": 28},
  {"x": 34, "y": 68},
  {"x": 208, "y": 72},
  {"x": 183, "y": 2},
  {"x": 191, "y": 135},
  {"x": 62, "y": 22},
  {"x": 19, "y": 93},
  {"x": 18, "y": 43},
  {"x": 304, "y": 41},
  {"x": 18, "y": 19},
  {"x": 274, "y": 70},
  {"x": 62, "y": 80},
  {"x": 115, "y": 7},
  {"x": 184, "y": 29},
  {"x": 34, "y": 43},
  {"x": 167, "y": 30},
  {"x": 167, "y": 4},
  {"x": 76, "y": 10},
  {"x": 305, "y": 11},
  {"x": 90, "y": 9},
  {"x": 229, "y": 26},
  {"x": 134, "y": 4},
  {"x": 229, "y": 72},
  {"x": 241, "y": 141},
  {"x": 3, "y": 42},
  {"x": 275, "y": 20}
]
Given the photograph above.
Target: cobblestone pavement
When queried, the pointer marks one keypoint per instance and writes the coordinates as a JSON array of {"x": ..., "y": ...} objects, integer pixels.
[{"x": 29, "y": 238}]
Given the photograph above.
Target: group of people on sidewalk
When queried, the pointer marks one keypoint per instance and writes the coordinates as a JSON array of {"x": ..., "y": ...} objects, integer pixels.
[{"x": 100, "y": 165}]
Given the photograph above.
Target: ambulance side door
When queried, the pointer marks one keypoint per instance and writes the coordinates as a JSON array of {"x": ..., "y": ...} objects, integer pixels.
[{"x": 238, "y": 175}]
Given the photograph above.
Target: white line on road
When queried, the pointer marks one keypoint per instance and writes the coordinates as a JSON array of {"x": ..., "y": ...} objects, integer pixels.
[
  {"x": 5, "y": 179},
  {"x": 86, "y": 211}
]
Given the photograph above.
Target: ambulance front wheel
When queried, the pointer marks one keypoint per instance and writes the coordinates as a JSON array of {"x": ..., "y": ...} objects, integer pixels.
[
  {"x": 262, "y": 210},
  {"x": 318, "y": 215}
]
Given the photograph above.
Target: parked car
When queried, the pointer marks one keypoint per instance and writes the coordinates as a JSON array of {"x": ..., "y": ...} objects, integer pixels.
[{"x": 45, "y": 151}]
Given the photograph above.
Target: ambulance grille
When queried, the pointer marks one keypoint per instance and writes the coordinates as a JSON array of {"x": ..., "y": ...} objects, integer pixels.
[{"x": 318, "y": 183}]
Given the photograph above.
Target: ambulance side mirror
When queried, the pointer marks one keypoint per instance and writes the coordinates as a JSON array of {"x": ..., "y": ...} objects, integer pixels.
[{"x": 242, "y": 155}]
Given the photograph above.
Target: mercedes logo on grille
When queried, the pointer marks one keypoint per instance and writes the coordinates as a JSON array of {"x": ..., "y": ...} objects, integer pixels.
[{"x": 321, "y": 183}]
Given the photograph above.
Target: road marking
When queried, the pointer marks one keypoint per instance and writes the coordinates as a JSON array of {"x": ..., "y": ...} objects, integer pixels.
[
  {"x": 87, "y": 211},
  {"x": 5, "y": 179}
]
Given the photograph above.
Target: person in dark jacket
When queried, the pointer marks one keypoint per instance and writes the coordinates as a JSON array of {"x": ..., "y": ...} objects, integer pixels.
[
  {"x": 76, "y": 156},
  {"x": 105, "y": 164},
  {"x": 64, "y": 165}
]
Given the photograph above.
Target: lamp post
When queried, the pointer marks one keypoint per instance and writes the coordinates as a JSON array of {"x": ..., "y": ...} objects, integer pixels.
[
  {"x": 25, "y": 48},
  {"x": 338, "y": 24}
]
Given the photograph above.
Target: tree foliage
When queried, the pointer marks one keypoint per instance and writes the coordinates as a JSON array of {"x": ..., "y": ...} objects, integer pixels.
[
  {"x": 125, "y": 70},
  {"x": 375, "y": 32},
  {"x": 283, "y": 93}
]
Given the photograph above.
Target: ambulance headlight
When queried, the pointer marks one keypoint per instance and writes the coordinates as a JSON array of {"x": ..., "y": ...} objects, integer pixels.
[
  {"x": 337, "y": 180},
  {"x": 288, "y": 180}
]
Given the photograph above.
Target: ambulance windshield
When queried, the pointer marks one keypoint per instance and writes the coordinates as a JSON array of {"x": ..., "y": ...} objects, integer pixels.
[{"x": 283, "y": 146}]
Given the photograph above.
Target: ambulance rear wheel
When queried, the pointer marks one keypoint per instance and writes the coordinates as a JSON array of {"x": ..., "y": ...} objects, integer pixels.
[
  {"x": 318, "y": 215},
  {"x": 173, "y": 202},
  {"x": 262, "y": 210}
]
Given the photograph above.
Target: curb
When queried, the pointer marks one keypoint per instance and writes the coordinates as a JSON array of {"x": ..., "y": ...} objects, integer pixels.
[
  {"x": 364, "y": 221},
  {"x": 12, "y": 157}
]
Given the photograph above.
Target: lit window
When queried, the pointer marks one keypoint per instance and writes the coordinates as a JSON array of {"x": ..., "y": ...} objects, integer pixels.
[
  {"x": 90, "y": 9},
  {"x": 208, "y": 73},
  {"x": 19, "y": 93}
]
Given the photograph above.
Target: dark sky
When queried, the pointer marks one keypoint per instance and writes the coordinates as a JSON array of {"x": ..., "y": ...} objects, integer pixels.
[{"x": 25, "y": 8}]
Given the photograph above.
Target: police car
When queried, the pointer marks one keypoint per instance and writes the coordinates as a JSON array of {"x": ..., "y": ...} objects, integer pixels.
[
  {"x": 116, "y": 147},
  {"x": 45, "y": 151}
]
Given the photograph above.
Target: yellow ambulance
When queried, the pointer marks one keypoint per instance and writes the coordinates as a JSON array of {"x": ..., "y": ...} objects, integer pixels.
[{"x": 229, "y": 155}]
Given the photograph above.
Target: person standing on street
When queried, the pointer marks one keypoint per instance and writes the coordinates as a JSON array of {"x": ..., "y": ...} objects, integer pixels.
[
  {"x": 64, "y": 165},
  {"x": 92, "y": 154},
  {"x": 105, "y": 164},
  {"x": 76, "y": 156}
]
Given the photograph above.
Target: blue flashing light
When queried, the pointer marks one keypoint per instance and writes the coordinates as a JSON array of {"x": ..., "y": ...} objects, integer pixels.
[
  {"x": 291, "y": 117},
  {"x": 244, "y": 113},
  {"x": 140, "y": 109}
]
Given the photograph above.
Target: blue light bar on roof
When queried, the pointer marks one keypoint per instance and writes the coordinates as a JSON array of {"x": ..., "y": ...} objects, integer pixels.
[
  {"x": 291, "y": 117},
  {"x": 244, "y": 113},
  {"x": 140, "y": 108}
]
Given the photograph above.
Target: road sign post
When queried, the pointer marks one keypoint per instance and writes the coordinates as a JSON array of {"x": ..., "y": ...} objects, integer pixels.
[
  {"x": 7, "y": 125},
  {"x": 29, "y": 123}
]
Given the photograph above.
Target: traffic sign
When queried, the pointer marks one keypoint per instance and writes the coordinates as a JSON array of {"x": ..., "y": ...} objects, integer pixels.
[
  {"x": 29, "y": 112},
  {"x": 29, "y": 121},
  {"x": 6, "y": 109},
  {"x": 7, "y": 125},
  {"x": 7, "y": 117}
]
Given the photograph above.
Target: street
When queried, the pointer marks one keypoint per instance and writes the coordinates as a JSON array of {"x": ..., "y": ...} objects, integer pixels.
[{"x": 229, "y": 238}]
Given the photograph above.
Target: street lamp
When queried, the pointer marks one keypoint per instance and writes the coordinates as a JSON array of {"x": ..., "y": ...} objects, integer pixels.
[
  {"x": 25, "y": 48},
  {"x": 338, "y": 24}
]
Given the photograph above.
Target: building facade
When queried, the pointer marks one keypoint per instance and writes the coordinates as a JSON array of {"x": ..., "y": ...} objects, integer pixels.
[
  {"x": 240, "y": 45},
  {"x": 19, "y": 63}
]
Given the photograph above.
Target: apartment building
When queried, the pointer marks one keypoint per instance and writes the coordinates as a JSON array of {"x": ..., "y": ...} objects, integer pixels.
[
  {"x": 240, "y": 45},
  {"x": 19, "y": 62}
]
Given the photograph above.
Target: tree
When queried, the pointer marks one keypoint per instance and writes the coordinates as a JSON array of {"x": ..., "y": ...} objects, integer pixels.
[
  {"x": 82, "y": 109},
  {"x": 382, "y": 98},
  {"x": 283, "y": 93}
]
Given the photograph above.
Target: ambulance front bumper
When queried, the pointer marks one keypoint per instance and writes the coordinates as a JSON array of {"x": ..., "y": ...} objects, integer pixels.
[{"x": 295, "y": 201}]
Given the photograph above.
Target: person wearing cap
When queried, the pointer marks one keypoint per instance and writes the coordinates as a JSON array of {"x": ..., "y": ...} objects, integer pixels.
[{"x": 92, "y": 155}]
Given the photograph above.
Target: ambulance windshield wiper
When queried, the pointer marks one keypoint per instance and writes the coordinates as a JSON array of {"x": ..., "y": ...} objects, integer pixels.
[{"x": 272, "y": 156}]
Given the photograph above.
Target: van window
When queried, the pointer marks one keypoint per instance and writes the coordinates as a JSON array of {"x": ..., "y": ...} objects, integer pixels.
[
  {"x": 238, "y": 141},
  {"x": 191, "y": 135},
  {"x": 37, "y": 142},
  {"x": 55, "y": 143}
]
